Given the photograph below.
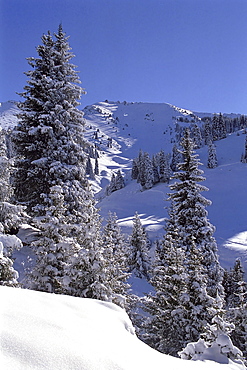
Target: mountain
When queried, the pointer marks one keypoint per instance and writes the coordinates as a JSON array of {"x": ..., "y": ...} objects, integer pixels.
[
  {"x": 120, "y": 130},
  {"x": 152, "y": 127}
]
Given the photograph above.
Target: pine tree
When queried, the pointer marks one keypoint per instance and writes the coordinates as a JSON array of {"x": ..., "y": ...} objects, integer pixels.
[
  {"x": 156, "y": 177},
  {"x": 212, "y": 158},
  {"x": 198, "y": 301},
  {"x": 148, "y": 172},
  {"x": 119, "y": 180},
  {"x": 53, "y": 249},
  {"x": 8, "y": 275},
  {"x": 215, "y": 342},
  {"x": 135, "y": 171},
  {"x": 139, "y": 253},
  {"x": 197, "y": 136},
  {"x": 176, "y": 158},
  {"x": 166, "y": 323},
  {"x": 208, "y": 136},
  {"x": 48, "y": 138},
  {"x": 51, "y": 148},
  {"x": 115, "y": 255},
  {"x": 191, "y": 216}
]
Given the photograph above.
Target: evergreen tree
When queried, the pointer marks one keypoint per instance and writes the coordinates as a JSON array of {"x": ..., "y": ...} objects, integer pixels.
[
  {"x": 165, "y": 172},
  {"x": 53, "y": 248},
  {"x": 112, "y": 186},
  {"x": 208, "y": 136},
  {"x": 176, "y": 158},
  {"x": 191, "y": 216},
  {"x": 119, "y": 180},
  {"x": 212, "y": 158},
  {"x": 166, "y": 323},
  {"x": 148, "y": 172},
  {"x": 8, "y": 275},
  {"x": 135, "y": 171},
  {"x": 222, "y": 127},
  {"x": 115, "y": 255},
  {"x": 216, "y": 340},
  {"x": 197, "y": 136},
  {"x": 49, "y": 134},
  {"x": 156, "y": 177},
  {"x": 198, "y": 300},
  {"x": 139, "y": 253},
  {"x": 51, "y": 148}
]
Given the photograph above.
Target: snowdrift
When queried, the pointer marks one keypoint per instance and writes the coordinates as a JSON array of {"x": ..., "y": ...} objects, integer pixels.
[{"x": 56, "y": 332}]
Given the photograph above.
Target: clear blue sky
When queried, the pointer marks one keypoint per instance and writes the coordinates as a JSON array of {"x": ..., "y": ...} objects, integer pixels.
[{"x": 190, "y": 53}]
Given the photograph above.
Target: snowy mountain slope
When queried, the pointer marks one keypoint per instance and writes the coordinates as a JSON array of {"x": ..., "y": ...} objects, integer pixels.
[
  {"x": 48, "y": 331},
  {"x": 8, "y": 118},
  {"x": 151, "y": 127},
  {"x": 120, "y": 130}
]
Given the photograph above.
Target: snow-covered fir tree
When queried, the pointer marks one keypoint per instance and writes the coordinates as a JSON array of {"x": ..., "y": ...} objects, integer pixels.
[
  {"x": 116, "y": 183},
  {"x": 212, "y": 157},
  {"x": 164, "y": 327},
  {"x": 48, "y": 138},
  {"x": 8, "y": 275},
  {"x": 53, "y": 249},
  {"x": 198, "y": 301},
  {"x": 148, "y": 172},
  {"x": 139, "y": 250},
  {"x": 197, "y": 136},
  {"x": 11, "y": 215},
  {"x": 155, "y": 163},
  {"x": 191, "y": 215},
  {"x": 176, "y": 158},
  {"x": 164, "y": 166},
  {"x": 115, "y": 255},
  {"x": 51, "y": 148},
  {"x": 208, "y": 135},
  {"x": 215, "y": 342},
  {"x": 236, "y": 305}
]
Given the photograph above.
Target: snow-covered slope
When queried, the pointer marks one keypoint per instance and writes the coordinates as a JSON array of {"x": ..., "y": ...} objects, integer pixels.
[
  {"x": 55, "y": 332},
  {"x": 8, "y": 118},
  {"x": 120, "y": 130},
  {"x": 151, "y": 127}
]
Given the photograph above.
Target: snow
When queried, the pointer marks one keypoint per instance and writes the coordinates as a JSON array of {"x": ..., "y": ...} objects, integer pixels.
[{"x": 54, "y": 332}]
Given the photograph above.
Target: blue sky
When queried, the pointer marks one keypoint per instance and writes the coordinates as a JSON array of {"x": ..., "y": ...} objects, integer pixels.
[{"x": 190, "y": 53}]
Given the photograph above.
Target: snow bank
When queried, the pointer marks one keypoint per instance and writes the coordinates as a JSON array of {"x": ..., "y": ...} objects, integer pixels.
[{"x": 48, "y": 331}]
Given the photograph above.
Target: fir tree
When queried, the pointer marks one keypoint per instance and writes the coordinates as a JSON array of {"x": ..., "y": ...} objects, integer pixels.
[
  {"x": 156, "y": 177},
  {"x": 135, "y": 171},
  {"x": 49, "y": 134},
  {"x": 139, "y": 253},
  {"x": 176, "y": 158},
  {"x": 166, "y": 323},
  {"x": 8, "y": 275},
  {"x": 212, "y": 158},
  {"x": 197, "y": 136},
  {"x": 115, "y": 255},
  {"x": 191, "y": 216},
  {"x": 51, "y": 148}
]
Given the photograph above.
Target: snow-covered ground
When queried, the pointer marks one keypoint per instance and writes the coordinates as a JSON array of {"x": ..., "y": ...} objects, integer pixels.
[{"x": 55, "y": 332}]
